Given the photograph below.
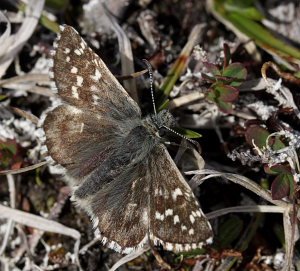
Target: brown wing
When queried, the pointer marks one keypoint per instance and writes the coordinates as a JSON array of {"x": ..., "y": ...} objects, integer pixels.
[
  {"x": 80, "y": 133},
  {"x": 152, "y": 202},
  {"x": 177, "y": 222},
  {"x": 83, "y": 80},
  {"x": 78, "y": 140}
]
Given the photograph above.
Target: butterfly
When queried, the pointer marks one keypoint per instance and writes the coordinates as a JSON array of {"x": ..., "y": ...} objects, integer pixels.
[{"x": 119, "y": 169}]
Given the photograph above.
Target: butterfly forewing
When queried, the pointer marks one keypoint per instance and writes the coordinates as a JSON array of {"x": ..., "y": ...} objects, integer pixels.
[
  {"x": 83, "y": 80},
  {"x": 75, "y": 138}
]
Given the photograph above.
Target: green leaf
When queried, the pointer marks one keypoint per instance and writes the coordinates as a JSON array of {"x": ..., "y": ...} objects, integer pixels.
[
  {"x": 245, "y": 8},
  {"x": 282, "y": 186},
  {"x": 263, "y": 37},
  {"x": 164, "y": 105},
  {"x": 212, "y": 68},
  {"x": 247, "y": 25},
  {"x": 187, "y": 133},
  {"x": 237, "y": 71},
  {"x": 229, "y": 231},
  {"x": 49, "y": 24},
  {"x": 259, "y": 135},
  {"x": 2, "y": 97},
  {"x": 208, "y": 78},
  {"x": 226, "y": 93}
]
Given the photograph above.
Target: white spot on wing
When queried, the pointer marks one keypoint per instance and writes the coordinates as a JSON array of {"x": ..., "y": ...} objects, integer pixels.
[
  {"x": 67, "y": 50},
  {"x": 178, "y": 247},
  {"x": 177, "y": 192},
  {"x": 169, "y": 212},
  {"x": 191, "y": 231},
  {"x": 159, "y": 216},
  {"x": 81, "y": 129},
  {"x": 94, "y": 88},
  {"x": 75, "y": 92},
  {"x": 183, "y": 228},
  {"x": 77, "y": 52},
  {"x": 192, "y": 219},
  {"x": 176, "y": 219},
  {"x": 95, "y": 222},
  {"x": 169, "y": 246},
  {"x": 62, "y": 28},
  {"x": 97, "y": 75},
  {"x": 79, "y": 80},
  {"x": 68, "y": 59},
  {"x": 74, "y": 70},
  {"x": 95, "y": 99},
  {"x": 82, "y": 44},
  {"x": 97, "y": 233}
]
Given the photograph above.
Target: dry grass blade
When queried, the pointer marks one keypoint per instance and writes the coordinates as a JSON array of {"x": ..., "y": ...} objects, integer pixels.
[
  {"x": 22, "y": 170},
  {"x": 16, "y": 41},
  {"x": 26, "y": 115},
  {"x": 37, "y": 222},
  {"x": 286, "y": 75},
  {"x": 129, "y": 258},
  {"x": 4, "y": 39},
  {"x": 131, "y": 76},
  {"x": 239, "y": 179},
  {"x": 30, "y": 77},
  {"x": 246, "y": 209},
  {"x": 10, "y": 223},
  {"x": 126, "y": 54}
]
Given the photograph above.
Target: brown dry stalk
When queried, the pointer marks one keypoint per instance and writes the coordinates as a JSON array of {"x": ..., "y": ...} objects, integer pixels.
[{"x": 286, "y": 75}]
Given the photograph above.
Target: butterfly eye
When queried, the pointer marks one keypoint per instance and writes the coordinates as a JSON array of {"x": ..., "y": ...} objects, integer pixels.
[{"x": 162, "y": 131}]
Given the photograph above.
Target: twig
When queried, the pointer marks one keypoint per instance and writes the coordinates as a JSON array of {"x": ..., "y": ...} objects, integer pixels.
[
  {"x": 24, "y": 169},
  {"x": 186, "y": 99},
  {"x": 84, "y": 249},
  {"x": 26, "y": 115},
  {"x": 131, "y": 76},
  {"x": 286, "y": 75}
]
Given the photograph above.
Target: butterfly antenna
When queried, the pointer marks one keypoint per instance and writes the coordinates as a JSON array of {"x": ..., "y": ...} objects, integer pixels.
[
  {"x": 184, "y": 137},
  {"x": 149, "y": 67}
]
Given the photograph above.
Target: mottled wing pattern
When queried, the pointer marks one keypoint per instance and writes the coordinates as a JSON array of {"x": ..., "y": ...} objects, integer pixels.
[
  {"x": 120, "y": 211},
  {"x": 80, "y": 132},
  {"x": 75, "y": 139},
  {"x": 177, "y": 222},
  {"x": 156, "y": 206},
  {"x": 83, "y": 80}
]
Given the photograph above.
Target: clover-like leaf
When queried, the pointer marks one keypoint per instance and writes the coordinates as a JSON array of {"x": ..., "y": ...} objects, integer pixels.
[
  {"x": 226, "y": 93},
  {"x": 259, "y": 135},
  {"x": 237, "y": 71},
  {"x": 282, "y": 186},
  {"x": 212, "y": 68}
]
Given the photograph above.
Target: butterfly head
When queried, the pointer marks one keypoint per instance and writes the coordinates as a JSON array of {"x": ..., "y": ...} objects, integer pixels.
[{"x": 163, "y": 119}]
